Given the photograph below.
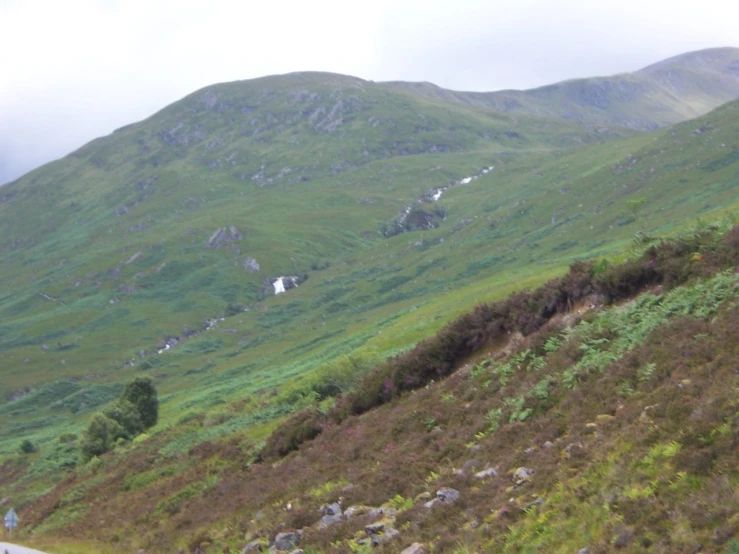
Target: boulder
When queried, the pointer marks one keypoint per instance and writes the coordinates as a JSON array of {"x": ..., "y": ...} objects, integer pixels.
[
  {"x": 224, "y": 236},
  {"x": 377, "y": 527},
  {"x": 329, "y": 519},
  {"x": 251, "y": 265},
  {"x": 257, "y": 545},
  {"x": 287, "y": 541},
  {"x": 415, "y": 548},
  {"x": 389, "y": 534},
  {"x": 490, "y": 472},
  {"x": 354, "y": 511},
  {"x": 522, "y": 475},
  {"x": 331, "y": 509},
  {"x": 432, "y": 503},
  {"x": 447, "y": 495},
  {"x": 573, "y": 450}
]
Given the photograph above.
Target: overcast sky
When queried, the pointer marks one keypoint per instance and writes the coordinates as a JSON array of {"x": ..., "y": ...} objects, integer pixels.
[{"x": 73, "y": 70}]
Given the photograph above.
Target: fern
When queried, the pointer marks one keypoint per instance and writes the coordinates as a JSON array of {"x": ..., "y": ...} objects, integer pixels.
[
  {"x": 537, "y": 363},
  {"x": 493, "y": 418},
  {"x": 552, "y": 345},
  {"x": 645, "y": 373},
  {"x": 541, "y": 389}
]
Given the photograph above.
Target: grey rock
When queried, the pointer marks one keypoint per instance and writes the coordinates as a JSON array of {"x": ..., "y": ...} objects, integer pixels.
[
  {"x": 331, "y": 509},
  {"x": 389, "y": 534},
  {"x": 484, "y": 474},
  {"x": 257, "y": 545},
  {"x": 548, "y": 444},
  {"x": 447, "y": 495},
  {"x": 376, "y": 512},
  {"x": 251, "y": 265},
  {"x": 522, "y": 475},
  {"x": 330, "y": 520},
  {"x": 574, "y": 450},
  {"x": 354, "y": 511},
  {"x": 287, "y": 541},
  {"x": 223, "y": 236},
  {"x": 623, "y": 538},
  {"x": 375, "y": 528},
  {"x": 538, "y": 502},
  {"x": 432, "y": 503},
  {"x": 585, "y": 550},
  {"x": 415, "y": 548}
]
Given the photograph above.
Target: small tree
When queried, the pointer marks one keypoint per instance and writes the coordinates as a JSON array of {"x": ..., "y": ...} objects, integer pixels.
[
  {"x": 100, "y": 436},
  {"x": 137, "y": 409},
  {"x": 127, "y": 416},
  {"x": 141, "y": 393}
]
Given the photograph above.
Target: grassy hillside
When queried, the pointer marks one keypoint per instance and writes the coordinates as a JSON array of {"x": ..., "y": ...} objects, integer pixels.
[
  {"x": 90, "y": 297},
  {"x": 155, "y": 251},
  {"x": 665, "y": 93},
  {"x": 607, "y": 426}
]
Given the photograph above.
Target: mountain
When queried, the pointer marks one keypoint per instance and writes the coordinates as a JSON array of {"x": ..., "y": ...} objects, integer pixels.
[
  {"x": 676, "y": 89},
  {"x": 260, "y": 247},
  {"x": 145, "y": 235}
]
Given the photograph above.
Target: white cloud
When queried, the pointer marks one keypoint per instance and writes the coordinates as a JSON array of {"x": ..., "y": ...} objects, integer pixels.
[{"x": 77, "y": 69}]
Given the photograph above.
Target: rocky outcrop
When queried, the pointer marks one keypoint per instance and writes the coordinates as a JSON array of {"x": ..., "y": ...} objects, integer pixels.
[
  {"x": 286, "y": 282},
  {"x": 443, "y": 496},
  {"x": 224, "y": 236},
  {"x": 251, "y": 265},
  {"x": 331, "y": 514},
  {"x": 522, "y": 475}
]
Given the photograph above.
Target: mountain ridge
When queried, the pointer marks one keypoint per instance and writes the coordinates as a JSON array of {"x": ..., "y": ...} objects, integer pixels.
[{"x": 702, "y": 73}]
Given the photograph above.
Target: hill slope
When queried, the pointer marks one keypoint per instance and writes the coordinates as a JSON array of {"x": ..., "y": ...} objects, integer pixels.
[
  {"x": 107, "y": 271},
  {"x": 680, "y": 88},
  {"x": 159, "y": 250},
  {"x": 604, "y": 427}
]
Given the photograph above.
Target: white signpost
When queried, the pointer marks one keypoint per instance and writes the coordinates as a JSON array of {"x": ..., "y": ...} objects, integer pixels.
[{"x": 11, "y": 521}]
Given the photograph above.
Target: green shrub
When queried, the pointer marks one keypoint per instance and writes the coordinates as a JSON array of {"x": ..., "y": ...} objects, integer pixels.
[
  {"x": 100, "y": 436},
  {"x": 128, "y": 416},
  {"x": 66, "y": 438},
  {"x": 27, "y": 447}
]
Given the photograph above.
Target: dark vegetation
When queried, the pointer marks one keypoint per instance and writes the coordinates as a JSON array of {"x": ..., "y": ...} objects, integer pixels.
[
  {"x": 667, "y": 263},
  {"x": 137, "y": 409}
]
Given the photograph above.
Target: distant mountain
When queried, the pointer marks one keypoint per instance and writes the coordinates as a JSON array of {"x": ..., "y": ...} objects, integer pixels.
[{"x": 676, "y": 89}]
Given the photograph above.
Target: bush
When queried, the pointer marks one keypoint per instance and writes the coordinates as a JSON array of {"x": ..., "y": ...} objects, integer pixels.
[
  {"x": 27, "y": 447},
  {"x": 100, "y": 436},
  {"x": 128, "y": 416}
]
